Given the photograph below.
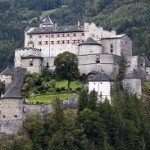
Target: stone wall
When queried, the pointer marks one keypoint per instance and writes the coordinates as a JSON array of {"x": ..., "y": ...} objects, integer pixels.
[
  {"x": 35, "y": 67},
  {"x": 133, "y": 86}
]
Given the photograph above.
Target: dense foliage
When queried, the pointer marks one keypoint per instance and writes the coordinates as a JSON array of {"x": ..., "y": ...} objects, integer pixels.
[
  {"x": 129, "y": 16},
  {"x": 121, "y": 126},
  {"x": 66, "y": 67}
]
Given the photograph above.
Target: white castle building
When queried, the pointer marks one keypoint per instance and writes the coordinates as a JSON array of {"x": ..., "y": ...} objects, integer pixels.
[{"x": 97, "y": 50}]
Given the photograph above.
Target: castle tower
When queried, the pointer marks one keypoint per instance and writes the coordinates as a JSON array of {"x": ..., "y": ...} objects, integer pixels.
[
  {"x": 11, "y": 112},
  {"x": 11, "y": 105}
]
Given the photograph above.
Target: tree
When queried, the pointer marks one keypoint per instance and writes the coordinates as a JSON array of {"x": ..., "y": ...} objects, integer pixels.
[
  {"x": 2, "y": 87},
  {"x": 66, "y": 67}
]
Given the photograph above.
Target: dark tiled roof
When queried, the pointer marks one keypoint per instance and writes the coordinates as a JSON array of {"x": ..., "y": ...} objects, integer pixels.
[
  {"x": 14, "y": 92},
  {"x": 31, "y": 56},
  {"x": 114, "y": 37},
  {"x": 59, "y": 29},
  {"x": 90, "y": 41},
  {"x": 102, "y": 76},
  {"x": 7, "y": 72},
  {"x": 93, "y": 72}
]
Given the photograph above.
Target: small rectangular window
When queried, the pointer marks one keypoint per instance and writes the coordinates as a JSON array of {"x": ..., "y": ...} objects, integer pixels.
[
  {"x": 111, "y": 48},
  {"x": 40, "y": 43},
  {"x": 46, "y": 42},
  {"x": 82, "y": 34},
  {"x": 40, "y": 36},
  {"x": 31, "y": 63},
  {"x": 52, "y": 36},
  {"x": 52, "y": 42}
]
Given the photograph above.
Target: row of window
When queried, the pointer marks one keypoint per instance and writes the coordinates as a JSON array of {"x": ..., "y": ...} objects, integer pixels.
[
  {"x": 58, "y": 35},
  {"x": 60, "y": 42}
]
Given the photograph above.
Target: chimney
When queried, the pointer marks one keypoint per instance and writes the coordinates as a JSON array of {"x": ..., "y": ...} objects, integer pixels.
[
  {"x": 56, "y": 25},
  {"x": 78, "y": 23}
]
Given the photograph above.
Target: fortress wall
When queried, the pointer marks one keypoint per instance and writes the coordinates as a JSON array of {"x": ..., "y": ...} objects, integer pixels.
[
  {"x": 106, "y": 44},
  {"x": 108, "y": 68},
  {"x": 37, "y": 65},
  {"x": 133, "y": 85},
  {"x": 11, "y": 116},
  {"x": 36, "y": 109},
  {"x": 90, "y": 49},
  {"x": 126, "y": 46}
]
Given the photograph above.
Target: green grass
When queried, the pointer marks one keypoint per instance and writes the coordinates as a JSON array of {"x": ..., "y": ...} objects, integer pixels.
[
  {"x": 64, "y": 83},
  {"x": 49, "y": 98}
]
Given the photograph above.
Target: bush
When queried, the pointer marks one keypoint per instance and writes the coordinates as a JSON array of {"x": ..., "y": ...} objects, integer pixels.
[
  {"x": 63, "y": 89},
  {"x": 78, "y": 89},
  {"x": 57, "y": 90}
]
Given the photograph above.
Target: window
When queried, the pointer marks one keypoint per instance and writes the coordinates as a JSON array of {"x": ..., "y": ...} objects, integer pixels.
[
  {"x": 82, "y": 34},
  {"x": 63, "y": 42},
  {"x": 40, "y": 43},
  {"x": 31, "y": 36},
  {"x": 63, "y": 35},
  {"x": 4, "y": 116},
  {"x": 52, "y": 42},
  {"x": 46, "y": 42},
  {"x": 100, "y": 95},
  {"x": 111, "y": 48},
  {"x": 40, "y": 36},
  {"x": 58, "y": 42},
  {"x": 52, "y": 36},
  {"x": 58, "y": 35},
  {"x": 68, "y": 34},
  {"x": 47, "y": 65},
  {"x": 31, "y": 63},
  {"x": 74, "y": 34},
  {"x": 24, "y": 109},
  {"x": 47, "y": 36},
  {"x": 97, "y": 60},
  {"x": 15, "y": 116},
  {"x": 68, "y": 41}
]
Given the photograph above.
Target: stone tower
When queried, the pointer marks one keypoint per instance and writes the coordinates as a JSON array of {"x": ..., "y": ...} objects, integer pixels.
[{"x": 11, "y": 105}]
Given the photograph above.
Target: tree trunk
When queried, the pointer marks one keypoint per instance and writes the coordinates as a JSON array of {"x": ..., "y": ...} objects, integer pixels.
[{"x": 68, "y": 85}]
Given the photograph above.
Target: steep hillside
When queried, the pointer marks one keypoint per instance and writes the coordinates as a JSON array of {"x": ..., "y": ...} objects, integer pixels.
[{"x": 129, "y": 16}]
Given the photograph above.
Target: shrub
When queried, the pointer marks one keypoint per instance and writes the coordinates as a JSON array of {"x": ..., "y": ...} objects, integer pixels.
[
  {"x": 57, "y": 90},
  {"x": 78, "y": 89},
  {"x": 63, "y": 89}
]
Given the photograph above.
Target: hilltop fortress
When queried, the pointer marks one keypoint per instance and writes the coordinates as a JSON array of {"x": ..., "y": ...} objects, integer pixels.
[{"x": 98, "y": 52}]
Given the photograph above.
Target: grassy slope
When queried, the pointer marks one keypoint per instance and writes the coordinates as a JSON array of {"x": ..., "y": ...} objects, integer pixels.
[{"x": 49, "y": 98}]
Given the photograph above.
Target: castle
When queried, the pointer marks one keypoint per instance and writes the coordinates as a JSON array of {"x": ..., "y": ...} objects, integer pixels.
[{"x": 98, "y": 52}]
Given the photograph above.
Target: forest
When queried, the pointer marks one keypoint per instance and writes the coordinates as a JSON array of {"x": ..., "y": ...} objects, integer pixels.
[
  {"x": 126, "y": 16},
  {"x": 123, "y": 125}
]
